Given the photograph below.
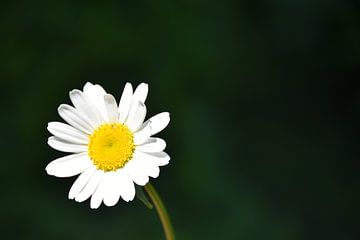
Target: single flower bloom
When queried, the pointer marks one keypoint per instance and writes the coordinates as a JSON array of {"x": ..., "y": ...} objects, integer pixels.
[{"x": 111, "y": 146}]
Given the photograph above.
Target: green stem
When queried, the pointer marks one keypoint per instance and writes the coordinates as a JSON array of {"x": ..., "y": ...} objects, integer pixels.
[{"x": 161, "y": 210}]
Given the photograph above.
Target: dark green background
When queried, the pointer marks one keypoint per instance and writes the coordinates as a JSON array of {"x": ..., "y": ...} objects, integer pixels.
[{"x": 264, "y": 99}]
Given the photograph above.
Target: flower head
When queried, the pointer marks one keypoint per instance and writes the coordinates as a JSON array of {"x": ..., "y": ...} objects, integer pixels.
[{"x": 110, "y": 144}]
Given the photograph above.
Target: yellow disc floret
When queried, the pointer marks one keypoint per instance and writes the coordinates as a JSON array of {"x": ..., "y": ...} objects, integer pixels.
[{"x": 111, "y": 146}]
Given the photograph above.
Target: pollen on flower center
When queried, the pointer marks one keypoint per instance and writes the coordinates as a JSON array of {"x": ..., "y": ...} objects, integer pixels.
[{"x": 111, "y": 146}]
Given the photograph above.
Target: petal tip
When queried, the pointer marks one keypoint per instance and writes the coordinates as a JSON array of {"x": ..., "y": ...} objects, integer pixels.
[
  {"x": 143, "y": 84},
  {"x": 94, "y": 205},
  {"x": 62, "y": 107},
  {"x": 87, "y": 85},
  {"x": 49, "y": 171}
]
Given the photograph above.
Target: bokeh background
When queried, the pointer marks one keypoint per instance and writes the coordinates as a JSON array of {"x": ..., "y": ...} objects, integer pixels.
[{"x": 265, "y": 104}]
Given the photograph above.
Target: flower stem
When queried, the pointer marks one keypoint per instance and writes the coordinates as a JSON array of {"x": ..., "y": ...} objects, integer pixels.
[{"x": 161, "y": 210}]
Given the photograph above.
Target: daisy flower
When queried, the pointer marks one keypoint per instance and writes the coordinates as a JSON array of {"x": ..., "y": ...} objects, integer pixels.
[{"x": 110, "y": 145}]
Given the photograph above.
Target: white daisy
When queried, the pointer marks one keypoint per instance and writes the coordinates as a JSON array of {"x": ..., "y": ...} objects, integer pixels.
[{"x": 111, "y": 146}]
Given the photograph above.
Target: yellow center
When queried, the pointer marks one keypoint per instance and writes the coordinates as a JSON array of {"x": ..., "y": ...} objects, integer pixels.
[{"x": 111, "y": 146}]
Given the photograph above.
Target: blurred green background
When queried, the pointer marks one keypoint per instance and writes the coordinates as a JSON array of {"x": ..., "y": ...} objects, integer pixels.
[{"x": 265, "y": 104}]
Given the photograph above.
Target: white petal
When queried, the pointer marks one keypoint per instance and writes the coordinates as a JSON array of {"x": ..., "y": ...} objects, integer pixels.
[
  {"x": 111, "y": 108},
  {"x": 118, "y": 183},
  {"x": 90, "y": 187},
  {"x": 136, "y": 174},
  {"x": 98, "y": 195},
  {"x": 95, "y": 93},
  {"x": 127, "y": 188},
  {"x": 141, "y": 92},
  {"x": 136, "y": 115},
  {"x": 125, "y": 102},
  {"x": 69, "y": 166},
  {"x": 72, "y": 116},
  {"x": 96, "y": 198},
  {"x": 113, "y": 188},
  {"x": 67, "y": 133},
  {"x": 143, "y": 135},
  {"x": 158, "y": 122},
  {"x": 157, "y": 158},
  {"x": 85, "y": 106},
  {"x": 149, "y": 168},
  {"x": 81, "y": 181},
  {"x": 64, "y": 146},
  {"x": 87, "y": 86},
  {"x": 152, "y": 145}
]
